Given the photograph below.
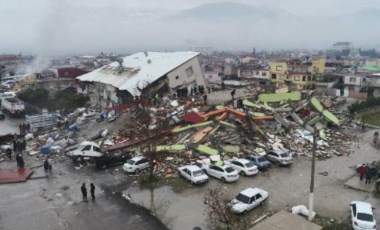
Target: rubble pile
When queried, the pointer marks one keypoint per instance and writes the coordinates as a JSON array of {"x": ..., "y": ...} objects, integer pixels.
[{"x": 249, "y": 126}]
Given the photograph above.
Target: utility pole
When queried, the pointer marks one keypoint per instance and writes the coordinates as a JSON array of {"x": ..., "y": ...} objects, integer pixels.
[{"x": 311, "y": 196}]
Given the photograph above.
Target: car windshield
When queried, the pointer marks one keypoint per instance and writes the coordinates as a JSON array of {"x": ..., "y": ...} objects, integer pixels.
[
  {"x": 284, "y": 155},
  {"x": 365, "y": 217},
  {"x": 249, "y": 164},
  {"x": 261, "y": 159},
  {"x": 229, "y": 169},
  {"x": 242, "y": 198},
  {"x": 130, "y": 162},
  {"x": 198, "y": 173}
]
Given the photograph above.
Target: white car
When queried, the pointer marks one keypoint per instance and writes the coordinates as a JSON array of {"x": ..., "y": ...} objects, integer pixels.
[
  {"x": 136, "y": 164},
  {"x": 280, "y": 157},
  {"x": 85, "y": 150},
  {"x": 225, "y": 173},
  {"x": 362, "y": 215},
  {"x": 248, "y": 199},
  {"x": 243, "y": 166},
  {"x": 193, "y": 173}
]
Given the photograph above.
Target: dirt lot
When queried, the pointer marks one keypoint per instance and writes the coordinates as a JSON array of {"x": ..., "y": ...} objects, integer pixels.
[{"x": 288, "y": 186}]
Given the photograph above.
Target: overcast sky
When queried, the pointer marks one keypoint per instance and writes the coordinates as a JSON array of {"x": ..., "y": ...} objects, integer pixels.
[{"x": 91, "y": 26}]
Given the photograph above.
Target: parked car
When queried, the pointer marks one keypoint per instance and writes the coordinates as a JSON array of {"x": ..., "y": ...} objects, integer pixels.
[
  {"x": 85, "y": 151},
  {"x": 362, "y": 215},
  {"x": 259, "y": 161},
  {"x": 225, "y": 173},
  {"x": 2, "y": 116},
  {"x": 243, "y": 166},
  {"x": 248, "y": 199},
  {"x": 280, "y": 157},
  {"x": 136, "y": 164},
  {"x": 193, "y": 173},
  {"x": 113, "y": 159}
]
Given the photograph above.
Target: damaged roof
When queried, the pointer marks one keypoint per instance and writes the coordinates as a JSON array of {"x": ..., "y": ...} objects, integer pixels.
[{"x": 138, "y": 70}]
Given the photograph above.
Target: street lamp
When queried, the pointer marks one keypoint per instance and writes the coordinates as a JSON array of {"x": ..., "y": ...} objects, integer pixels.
[{"x": 311, "y": 196}]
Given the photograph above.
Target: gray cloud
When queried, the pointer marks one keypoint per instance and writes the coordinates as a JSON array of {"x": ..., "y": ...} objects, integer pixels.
[{"x": 90, "y": 26}]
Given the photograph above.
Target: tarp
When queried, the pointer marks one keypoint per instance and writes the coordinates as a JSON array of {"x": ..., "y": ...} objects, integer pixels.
[
  {"x": 231, "y": 148},
  {"x": 207, "y": 150},
  {"x": 171, "y": 148},
  {"x": 181, "y": 129},
  {"x": 278, "y": 97},
  {"x": 193, "y": 118}
]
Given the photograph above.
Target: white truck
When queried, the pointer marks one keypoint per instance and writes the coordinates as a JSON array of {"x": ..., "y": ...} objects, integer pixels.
[{"x": 14, "y": 106}]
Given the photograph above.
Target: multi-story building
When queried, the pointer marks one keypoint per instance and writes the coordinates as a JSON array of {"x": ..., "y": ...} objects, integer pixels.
[
  {"x": 257, "y": 74},
  {"x": 9, "y": 63},
  {"x": 144, "y": 74}
]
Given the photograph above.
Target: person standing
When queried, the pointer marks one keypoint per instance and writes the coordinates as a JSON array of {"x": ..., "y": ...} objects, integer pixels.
[
  {"x": 46, "y": 165},
  {"x": 84, "y": 192},
  {"x": 20, "y": 161},
  {"x": 9, "y": 153},
  {"x": 362, "y": 169},
  {"x": 205, "y": 98},
  {"x": 92, "y": 190},
  {"x": 233, "y": 94},
  {"x": 367, "y": 175}
]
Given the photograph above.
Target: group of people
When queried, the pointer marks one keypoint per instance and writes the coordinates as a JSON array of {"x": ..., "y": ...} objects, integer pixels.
[
  {"x": 18, "y": 147},
  {"x": 84, "y": 192},
  {"x": 367, "y": 171}
]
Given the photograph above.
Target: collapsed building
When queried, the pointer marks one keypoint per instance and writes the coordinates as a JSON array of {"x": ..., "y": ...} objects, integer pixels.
[{"x": 144, "y": 74}]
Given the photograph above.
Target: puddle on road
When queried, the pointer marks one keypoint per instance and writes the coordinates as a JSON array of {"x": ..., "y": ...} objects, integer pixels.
[{"x": 177, "y": 211}]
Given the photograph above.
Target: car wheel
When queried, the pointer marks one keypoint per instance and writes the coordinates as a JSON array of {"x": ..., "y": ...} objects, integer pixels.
[
  {"x": 242, "y": 173},
  {"x": 137, "y": 171},
  {"x": 80, "y": 159},
  {"x": 104, "y": 166},
  {"x": 224, "y": 180}
]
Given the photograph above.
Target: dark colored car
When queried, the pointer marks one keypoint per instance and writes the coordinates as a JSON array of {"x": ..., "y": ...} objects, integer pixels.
[
  {"x": 259, "y": 161},
  {"x": 108, "y": 160}
]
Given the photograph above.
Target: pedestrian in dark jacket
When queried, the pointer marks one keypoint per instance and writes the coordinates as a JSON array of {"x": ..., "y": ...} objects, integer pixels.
[
  {"x": 368, "y": 175},
  {"x": 20, "y": 161},
  {"x": 9, "y": 153},
  {"x": 92, "y": 190},
  {"x": 233, "y": 94},
  {"x": 84, "y": 192},
  {"x": 14, "y": 145},
  {"x": 46, "y": 165}
]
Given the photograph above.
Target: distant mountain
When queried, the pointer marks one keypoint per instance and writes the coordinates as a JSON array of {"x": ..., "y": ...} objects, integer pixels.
[
  {"x": 367, "y": 13},
  {"x": 227, "y": 11}
]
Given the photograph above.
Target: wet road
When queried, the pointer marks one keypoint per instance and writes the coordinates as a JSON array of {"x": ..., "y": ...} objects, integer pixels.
[
  {"x": 10, "y": 125},
  {"x": 287, "y": 187},
  {"x": 55, "y": 202}
]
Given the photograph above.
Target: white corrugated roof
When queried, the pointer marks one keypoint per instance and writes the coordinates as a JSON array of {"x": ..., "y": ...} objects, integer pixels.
[{"x": 137, "y": 72}]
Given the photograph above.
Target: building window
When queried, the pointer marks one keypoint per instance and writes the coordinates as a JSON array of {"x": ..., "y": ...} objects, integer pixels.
[
  {"x": 189, "y": 71},
  {"x": 257, "y": 73},
  {"x": 264, "y": 74},
  {"x": 309, "y": 78},
  {"x": 297, "y": 78},
  {"x": 278, "y": 68},
  {"x": 177, "y": 77},
  {"x": 273, "y": 76},
  {"x": 352, "y": 80},
  {"x": 303, "y": 78}
]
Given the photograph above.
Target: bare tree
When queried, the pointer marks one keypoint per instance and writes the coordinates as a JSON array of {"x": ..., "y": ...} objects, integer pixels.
[
  {"x": 219, "y": 214},
  {"x": 150, "y": 128}
]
